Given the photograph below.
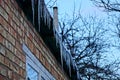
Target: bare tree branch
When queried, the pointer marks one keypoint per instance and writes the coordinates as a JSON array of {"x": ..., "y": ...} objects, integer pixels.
[
  {"x": 108, "y": 5},
  {"x": 88, "y": 47}
]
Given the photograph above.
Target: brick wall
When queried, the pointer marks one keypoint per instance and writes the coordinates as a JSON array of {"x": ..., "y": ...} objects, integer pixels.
[{"x": 15, "y": 30}]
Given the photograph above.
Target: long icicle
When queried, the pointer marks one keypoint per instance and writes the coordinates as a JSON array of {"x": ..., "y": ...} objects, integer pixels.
[
  {"x": 39, "y": 13},
  {"x": 61, "y": 52},
  {"x": 33, "y": 10},
  {"x": 45, "y": 14},
  {"x": 68, "y": 63}
]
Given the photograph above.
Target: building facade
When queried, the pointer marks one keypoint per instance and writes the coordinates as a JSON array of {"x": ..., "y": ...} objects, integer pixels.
[{"x": 23, "y": 53}]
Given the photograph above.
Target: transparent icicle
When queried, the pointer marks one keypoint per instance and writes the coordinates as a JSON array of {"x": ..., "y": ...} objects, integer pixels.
[
  {"x": 33, "y": 10},
  {"x": 45, "y": 14},
  {"x": 78, "y": 75},
  {"x": 73, "y": 63},
  {"x": 61, "y": 53},
  {"x": 68, "y": 63},
  {"x": 48, "y": 19},
  {"x": 39, "y": 13},
  {"x": 54, "y": 31},
  {"x": 41, "y": 8},
  {"x": 58, "y": 37},
  {"x": 56, "y": 34},
  {"x": 65, "y": 55}
]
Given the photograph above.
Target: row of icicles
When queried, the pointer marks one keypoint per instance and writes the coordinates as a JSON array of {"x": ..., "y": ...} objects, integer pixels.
[
  {"x": 43, "y": 13},
  {"x": 65, "y": 54}
]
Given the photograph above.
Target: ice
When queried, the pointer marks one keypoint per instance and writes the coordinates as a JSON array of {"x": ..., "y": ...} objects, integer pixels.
[
  {"x": 49, "y": 20},
  {"x": 33, "y": 9},
  {"x": 78, "y": 75},
  {"x": 61, "y": 54},
  {"x": 68, "y": 63},
  {"x": 65, "y": 54},
  {"x": 45, "y": 14},
  {"x": 39, "y": 13}
]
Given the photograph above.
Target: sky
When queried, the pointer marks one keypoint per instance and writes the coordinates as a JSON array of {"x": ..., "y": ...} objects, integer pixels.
[{"x": 86, "y": 8}]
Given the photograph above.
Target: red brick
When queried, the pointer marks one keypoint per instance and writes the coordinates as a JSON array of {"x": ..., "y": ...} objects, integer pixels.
[
  {"x": 10, "y": 16},
  {"x": 7, "y": 9},
  {"x": 14, "y": 67},
  {"x": 13, "y": 32},
  {"x": 2, "y": 31},
  {"x": 18, "y": 46},
  {"x": 17, "y": 60},
  {"x": 3, "y": 13},
  {"x": 1, "y": 77},
  {"x": 37, "y": 53},
  {"x": 10, "y": 38},
  {"x": 7, "y": 62},
  {"x": 23, "y": 57},
  {"x": 9, "y": 74},
  {"x": 18, "y": 54},
  {"x": 2, "y": 58},
  {"x": 4, "y": 23},
  {"x": 10, "y": 55},
  {"x": 1, "y": 39},
  {"x": 15, "y": 76},
  {"x": 21, "y": 71},
  {"x": 2, "y": 3},
  {"x": 3, "y": 71}
]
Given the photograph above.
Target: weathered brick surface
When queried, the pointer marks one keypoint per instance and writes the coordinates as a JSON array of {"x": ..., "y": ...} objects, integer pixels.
[{"x": 15, "y": 30}]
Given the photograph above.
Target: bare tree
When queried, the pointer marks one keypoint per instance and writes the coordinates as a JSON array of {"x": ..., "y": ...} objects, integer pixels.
[
  {"x": 51, "y": 3},
  {"x": 113, "y": 7},
  {"x": 86, "y": 40},
  {"x": 108, "y": 5}
]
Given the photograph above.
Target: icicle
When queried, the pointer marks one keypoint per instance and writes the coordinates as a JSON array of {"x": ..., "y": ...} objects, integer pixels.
[
  {"x": 65, "y": 55},
  {"x": 46, "y": 18},
  {"x": 72, "y": 61},
  {"x": 68, "y": 63},
  {"x": 56, "y": 34},
  {"x": 61, "y": 53},
  {"x": 41, "y": 8},
  {"x": 78, "y": 75},
  {"x": 44, "y": 14},
  {"x": 58, "y": 38},
  {"x": 39, "y": 13},
  {"x": 54, "y": 31},
  {"x": 49, "y": 20},
  {"x": 33, "y": 9}
]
